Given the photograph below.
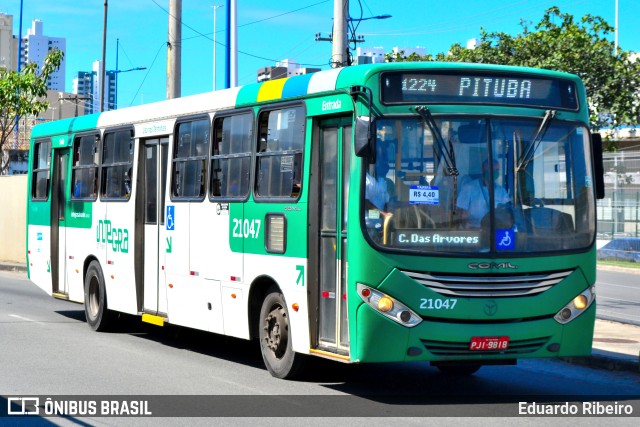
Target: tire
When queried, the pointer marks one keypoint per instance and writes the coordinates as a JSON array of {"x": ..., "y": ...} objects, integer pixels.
[
  {"x": 458, "y": 370},
  {"x": 275, "y": 342},
  {"x": 98, "y": 316}
]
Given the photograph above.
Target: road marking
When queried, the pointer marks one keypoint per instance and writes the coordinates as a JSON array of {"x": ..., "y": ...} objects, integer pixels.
[
  {"x": 21, "y": 318},
  {"x": 618, "y": 299},
  {"x": 618, "y": 286},
  {"x": 26, "y": 319},
  {"x": 617, "y": 313}
]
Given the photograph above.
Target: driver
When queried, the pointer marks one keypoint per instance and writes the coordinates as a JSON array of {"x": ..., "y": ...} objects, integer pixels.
[{"x": 473, "y": 201}]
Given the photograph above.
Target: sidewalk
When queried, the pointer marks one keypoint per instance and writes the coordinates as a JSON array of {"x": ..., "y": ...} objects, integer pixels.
[{"x": 616, "y": 346}]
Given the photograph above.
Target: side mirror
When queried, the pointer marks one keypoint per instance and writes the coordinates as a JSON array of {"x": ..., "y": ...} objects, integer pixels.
[
  {"x": 598, "y": 167},
  {"x": 364, "y": 129},
  {"x": 363, "y": 137}
]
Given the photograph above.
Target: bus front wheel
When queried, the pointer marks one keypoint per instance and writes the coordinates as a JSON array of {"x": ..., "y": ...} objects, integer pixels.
[
  {"x": 95, "y": 299},
  {"x": 275, "y": 339}
]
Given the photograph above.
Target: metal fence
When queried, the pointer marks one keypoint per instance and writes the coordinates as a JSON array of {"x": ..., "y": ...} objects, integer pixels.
[{"x": 619, "y": 211}]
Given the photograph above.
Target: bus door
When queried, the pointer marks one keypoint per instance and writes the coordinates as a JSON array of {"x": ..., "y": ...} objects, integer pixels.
[
  {"x": 151, "y": 191},
  {"x": 332, "y": 187},
  {"x": 59, "y": 202}
]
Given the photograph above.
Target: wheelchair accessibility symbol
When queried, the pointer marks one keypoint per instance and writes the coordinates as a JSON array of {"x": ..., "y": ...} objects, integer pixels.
[
  {"x": 171, "y": 217},
  {"x": 505, "y": 240}
]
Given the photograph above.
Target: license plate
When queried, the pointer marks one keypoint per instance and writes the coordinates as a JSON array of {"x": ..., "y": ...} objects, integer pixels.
[{"x": 489, "y": 343}]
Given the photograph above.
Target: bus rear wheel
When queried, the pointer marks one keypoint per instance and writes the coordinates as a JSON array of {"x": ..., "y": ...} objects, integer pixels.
[
  {"x": 275, "y": 340},
  {"x": 95, "y": 299}
]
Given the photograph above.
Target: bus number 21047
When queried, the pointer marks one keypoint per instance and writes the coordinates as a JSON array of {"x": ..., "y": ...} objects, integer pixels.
[
  {"x": 437, "y": 304},
  {"x": 246, "y": 229}
]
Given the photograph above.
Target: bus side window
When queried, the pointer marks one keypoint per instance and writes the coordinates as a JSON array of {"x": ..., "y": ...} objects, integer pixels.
[
  {"x": 41, "y": 169},
  {"x": 117, "y": 158},
  {"x": 189, "y": 162},
  {"x": 279, "y": 171},
  {"x": 85, "y": 167},
  {"x": 231, "y": 156}
]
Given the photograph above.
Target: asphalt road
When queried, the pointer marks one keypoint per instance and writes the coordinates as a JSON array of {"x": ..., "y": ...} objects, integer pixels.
[
  {"x": 48, "y": 350},
  {"x": 618, "y": 296}
]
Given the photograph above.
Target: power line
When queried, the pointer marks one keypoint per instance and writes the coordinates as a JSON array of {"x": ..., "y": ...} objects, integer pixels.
[
  {"x": 244, "y": 25},
  {"x": 147, "y": 74}
]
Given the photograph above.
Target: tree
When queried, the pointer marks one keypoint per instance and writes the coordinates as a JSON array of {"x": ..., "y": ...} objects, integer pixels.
[
  {"x": 23, "y": 94},
  {"x": 558, "y": 42}
]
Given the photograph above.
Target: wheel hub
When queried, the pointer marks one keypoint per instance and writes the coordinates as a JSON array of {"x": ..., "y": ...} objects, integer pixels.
[{"x": 276, "y": 329}]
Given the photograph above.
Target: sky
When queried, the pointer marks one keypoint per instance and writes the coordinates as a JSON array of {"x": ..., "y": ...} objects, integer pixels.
[{"x": 270, "y": 31}]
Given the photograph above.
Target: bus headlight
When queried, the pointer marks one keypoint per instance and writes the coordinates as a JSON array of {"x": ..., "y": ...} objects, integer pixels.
[
  {"x": 577, "y": 306},
  {"x": 388, "y": 306}
]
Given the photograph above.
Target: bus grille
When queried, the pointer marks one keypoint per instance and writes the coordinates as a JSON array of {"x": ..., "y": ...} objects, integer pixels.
[
  {"x": 447, "y": 348},
  {"x": 483, "y": 286}
]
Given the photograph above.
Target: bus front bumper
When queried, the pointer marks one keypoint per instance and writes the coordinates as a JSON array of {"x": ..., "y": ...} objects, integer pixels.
[{"x": 379, "y": 339}]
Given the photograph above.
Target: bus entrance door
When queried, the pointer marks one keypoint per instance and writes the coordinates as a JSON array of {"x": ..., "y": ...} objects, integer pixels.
[
  {"x": 333, "y": 188},
  {"x": 59, "y": 201},
  {"x": 151, "y": 192}
]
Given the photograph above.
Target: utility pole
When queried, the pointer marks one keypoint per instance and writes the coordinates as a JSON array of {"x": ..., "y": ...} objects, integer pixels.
[
  {"x": 615, "y": 52},
  {"x": 340, "y": 36},
  {"x": 174, "y": 48},
  {"x": 215, "y": 7},
  {"x": 104, "y": 59},
  {"x": 74, "y": 98},
  {"x": 339, "y": 53},
  {"x": 233, "y": 29}
]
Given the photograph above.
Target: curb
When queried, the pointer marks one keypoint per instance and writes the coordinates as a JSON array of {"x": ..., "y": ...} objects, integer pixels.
[
  {"x": 9, "y": 266},
  {"x": 603, "y": 359}
]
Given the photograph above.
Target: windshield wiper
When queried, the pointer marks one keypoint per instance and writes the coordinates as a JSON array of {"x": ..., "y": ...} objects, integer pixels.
[
  {"x": 447, "y": 153},
  {"x": 527, "y": 157}
]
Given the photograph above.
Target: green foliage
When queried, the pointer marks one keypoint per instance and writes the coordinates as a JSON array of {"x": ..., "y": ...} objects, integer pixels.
[
  {"x": 22, "y": 94},
  {"x": 558, "y": 42}
]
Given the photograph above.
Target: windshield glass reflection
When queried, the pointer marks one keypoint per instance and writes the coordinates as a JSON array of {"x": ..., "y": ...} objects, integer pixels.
[{"x": 479, "y": 185}]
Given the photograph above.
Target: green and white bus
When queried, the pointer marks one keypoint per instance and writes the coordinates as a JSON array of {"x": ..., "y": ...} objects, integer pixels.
[{"x": 246, "y": 212}]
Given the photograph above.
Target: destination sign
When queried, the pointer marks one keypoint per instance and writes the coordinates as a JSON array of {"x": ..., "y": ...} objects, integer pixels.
[{"x": 496, "y": 89}]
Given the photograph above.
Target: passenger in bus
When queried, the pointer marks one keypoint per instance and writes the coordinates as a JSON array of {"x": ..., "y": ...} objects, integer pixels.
[
  {"x": 379, "y": 189},
  {"x": 78, "y": 189},
  {"x": 473, "y": 201},
  {"x": 379, "y": 195},
  {"x": 127, "y": 183}
]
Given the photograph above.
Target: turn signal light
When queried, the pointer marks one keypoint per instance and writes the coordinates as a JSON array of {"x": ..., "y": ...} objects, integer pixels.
[
  {"x": 577, "y": 306},
  {"x": 388, "y": 306}
]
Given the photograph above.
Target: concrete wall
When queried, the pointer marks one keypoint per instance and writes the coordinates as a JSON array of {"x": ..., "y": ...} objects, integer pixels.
[{"x": 13, "y": 218}]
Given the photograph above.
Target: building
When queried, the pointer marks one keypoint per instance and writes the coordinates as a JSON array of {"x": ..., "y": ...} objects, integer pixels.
[
  {"x": 61, "y": 106},
  {"x": 408, "y": 51},
  {"x": 86, "y": 85},
  {"x": 284, "y": 68},
  {"x": 369, "y": 55},
  {"x": 36, "y": 46},
  {"x": 376, "y": 55},
  {"x": 8, "y": 44},
  {"x": 473, "y": 43}
]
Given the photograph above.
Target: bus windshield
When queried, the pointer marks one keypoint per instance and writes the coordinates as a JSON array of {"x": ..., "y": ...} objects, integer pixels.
[{"x": 470, "y": 185}]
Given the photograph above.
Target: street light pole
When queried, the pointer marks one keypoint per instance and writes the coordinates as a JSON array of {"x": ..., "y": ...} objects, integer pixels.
[
  {"x": 215, "y": 7},
  {"x": 115, "y": 97}
]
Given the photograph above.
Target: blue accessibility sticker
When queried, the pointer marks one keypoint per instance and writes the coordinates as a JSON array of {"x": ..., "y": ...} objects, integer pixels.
[
  {"x": 505, "y": 240},
  {"x": 171, "y": 218}
]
